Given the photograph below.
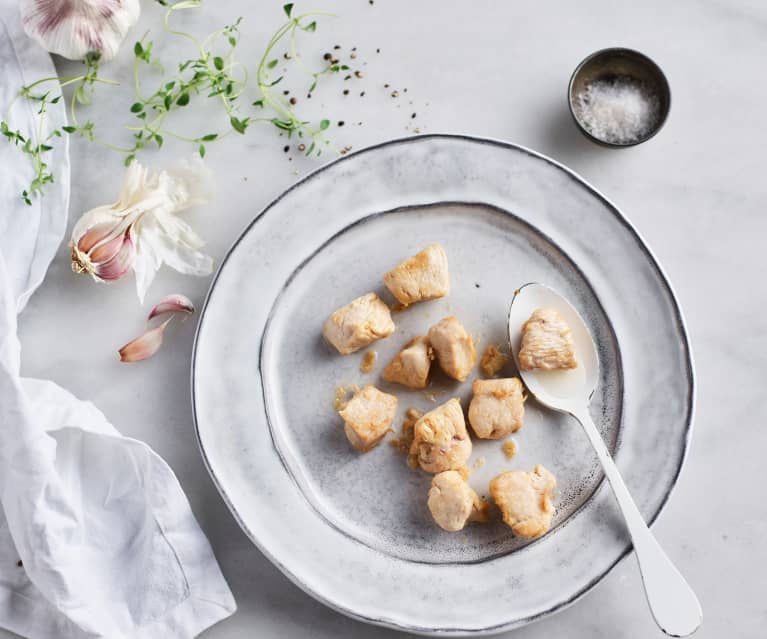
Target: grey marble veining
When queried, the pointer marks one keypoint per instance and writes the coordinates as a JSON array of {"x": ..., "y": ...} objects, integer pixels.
[{"x": 696, "y": 192}]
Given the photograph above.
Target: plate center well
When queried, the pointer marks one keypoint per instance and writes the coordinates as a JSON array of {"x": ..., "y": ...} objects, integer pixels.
[{"x": 375, "y": 498}]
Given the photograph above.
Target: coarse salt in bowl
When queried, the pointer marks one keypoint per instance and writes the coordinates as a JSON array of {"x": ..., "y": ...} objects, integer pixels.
[{"x": 619, "y": 97}]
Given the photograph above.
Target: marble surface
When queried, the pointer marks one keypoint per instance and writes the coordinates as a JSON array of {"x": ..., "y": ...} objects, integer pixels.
[{"x": 696, "y": 192}]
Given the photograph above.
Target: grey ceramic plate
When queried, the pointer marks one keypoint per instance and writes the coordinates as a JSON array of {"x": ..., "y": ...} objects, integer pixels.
[{"x": 354, "y": 530}]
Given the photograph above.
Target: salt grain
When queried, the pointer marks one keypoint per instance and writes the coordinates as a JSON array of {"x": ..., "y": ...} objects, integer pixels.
[{"x": 619, "y": 111}]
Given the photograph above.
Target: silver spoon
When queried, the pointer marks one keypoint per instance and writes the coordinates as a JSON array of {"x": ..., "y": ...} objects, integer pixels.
[{"x": 673, "y": 603}]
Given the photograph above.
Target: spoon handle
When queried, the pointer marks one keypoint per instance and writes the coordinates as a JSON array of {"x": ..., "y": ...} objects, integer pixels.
[{"x": 673, "y": 603}]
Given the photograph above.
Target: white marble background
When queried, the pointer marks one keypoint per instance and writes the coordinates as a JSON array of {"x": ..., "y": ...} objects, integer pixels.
[{"x": 697, "y": 192}]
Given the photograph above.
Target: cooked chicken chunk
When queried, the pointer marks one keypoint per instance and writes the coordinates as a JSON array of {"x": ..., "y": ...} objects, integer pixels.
[
  {"x": 410, "y": 367},
  {"x": 359, "y": 323},
  {"x": 453, "y": 503},
  {"x": 367, "y": 417},
  {"x": 421, "y": 277},
  {"x": 546, "y": 342},
  {"x": 497, "y": 408},
  {"x": 525, "y": 500},
  {"x": 441, "y": 441},
  {"x": 454, "y": 348},
  {"x": 493, "y": 360}
]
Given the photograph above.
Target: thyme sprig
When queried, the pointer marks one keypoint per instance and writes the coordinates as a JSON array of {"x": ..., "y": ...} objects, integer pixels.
[
  {"x": 213, "y": 73},
  {"x": 286, "y": 119},
  {"x": 37, "y": 143}
]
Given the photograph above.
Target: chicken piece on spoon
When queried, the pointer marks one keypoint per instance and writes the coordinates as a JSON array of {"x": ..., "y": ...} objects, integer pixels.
[{"x": 547, "y": 342}]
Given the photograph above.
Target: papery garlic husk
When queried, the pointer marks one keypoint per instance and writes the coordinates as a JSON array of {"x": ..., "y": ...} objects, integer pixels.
[
  {"x": 144, "y": 346},
  {"x": 146, "y": 217},
  {"x": 75, "y": 28}
]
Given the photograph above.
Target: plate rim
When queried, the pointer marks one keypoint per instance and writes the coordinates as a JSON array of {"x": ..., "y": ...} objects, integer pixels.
[{"x": 681, "y": 326}]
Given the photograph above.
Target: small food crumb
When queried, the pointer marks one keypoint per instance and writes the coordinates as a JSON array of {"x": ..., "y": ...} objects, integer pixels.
[
  {"x": 19, "y": 563},
  {"x": 493, "y": 360},
  {"x": 479, "y": 462},
  {"x": 341, "y": 397},
  {"x": 509, "y": 448},
  {"x": 404, "y": 442},
  {"x": 302, "y": 147},
  {"x": 368, "y": 361},
  {"x": 395, "y": 94}
]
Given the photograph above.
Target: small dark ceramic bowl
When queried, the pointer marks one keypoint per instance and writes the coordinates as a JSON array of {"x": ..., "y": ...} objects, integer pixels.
[{"x": 613, "y": 63}]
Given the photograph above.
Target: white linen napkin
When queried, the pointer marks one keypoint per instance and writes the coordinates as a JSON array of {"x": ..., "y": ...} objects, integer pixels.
[{"x": 97, "y": 538}]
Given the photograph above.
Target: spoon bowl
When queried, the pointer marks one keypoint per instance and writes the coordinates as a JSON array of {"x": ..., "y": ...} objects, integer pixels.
[
  {"x": 557, "y": 389},
  {"x": 673, "y": 603}
]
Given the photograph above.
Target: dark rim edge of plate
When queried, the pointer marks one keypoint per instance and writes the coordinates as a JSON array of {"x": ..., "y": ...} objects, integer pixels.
[{"x": 681, "y": 326}]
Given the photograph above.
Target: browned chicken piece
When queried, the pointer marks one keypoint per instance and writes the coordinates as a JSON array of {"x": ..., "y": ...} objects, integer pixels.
[
  {"x": 453, "y": 503},
  {"x": 493, "y": 360},
  {"x": 422, "y": 277},
  {"x": 453, "y": 347},
  {"x": 359, "y": 323},
  {"x": 367, "y": 417},
  {"x": 525, "y": 500},
  {"x": 441, "y": 441},
  {"x": 410, "y": 367},
  {"x": 497, "y": 408},
  {"x": 547, "y": 342}
]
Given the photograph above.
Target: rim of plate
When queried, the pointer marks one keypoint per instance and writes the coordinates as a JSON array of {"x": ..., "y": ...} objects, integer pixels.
[{"x": 681, "y": 326}]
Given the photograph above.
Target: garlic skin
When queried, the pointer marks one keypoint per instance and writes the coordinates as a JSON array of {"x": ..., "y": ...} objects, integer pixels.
[
  {"x": 142, "y": 231},
  {"x": 75, "y": 28}
]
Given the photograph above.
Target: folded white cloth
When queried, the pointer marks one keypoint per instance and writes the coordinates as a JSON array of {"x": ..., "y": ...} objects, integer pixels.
[{"x": 97, "y": 538}]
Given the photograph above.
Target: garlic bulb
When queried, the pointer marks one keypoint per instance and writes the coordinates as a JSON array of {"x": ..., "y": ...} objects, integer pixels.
[
  {"x": 142, "y": 230},
  {"x": 75, "y": 28}
]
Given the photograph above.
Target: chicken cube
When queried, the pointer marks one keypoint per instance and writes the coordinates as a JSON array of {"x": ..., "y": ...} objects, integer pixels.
[
  {"x": 525, "y": 500},
  {"x": 359, "y": 323},
  {"x": 454, "y": 348},
  {"x": 547, "y": 342},
  {"x": 410, "y": 367},
  {"x": 453, "y": 503},
  {"x": 424, "y": 276},
  {"x": 497, "y": 408},
  {"x": 367, "y": 417},
  {"x": 440, "y": 439}
]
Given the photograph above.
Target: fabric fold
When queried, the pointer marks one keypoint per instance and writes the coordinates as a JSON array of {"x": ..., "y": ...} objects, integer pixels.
[{"x": 97, "y": 539}]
